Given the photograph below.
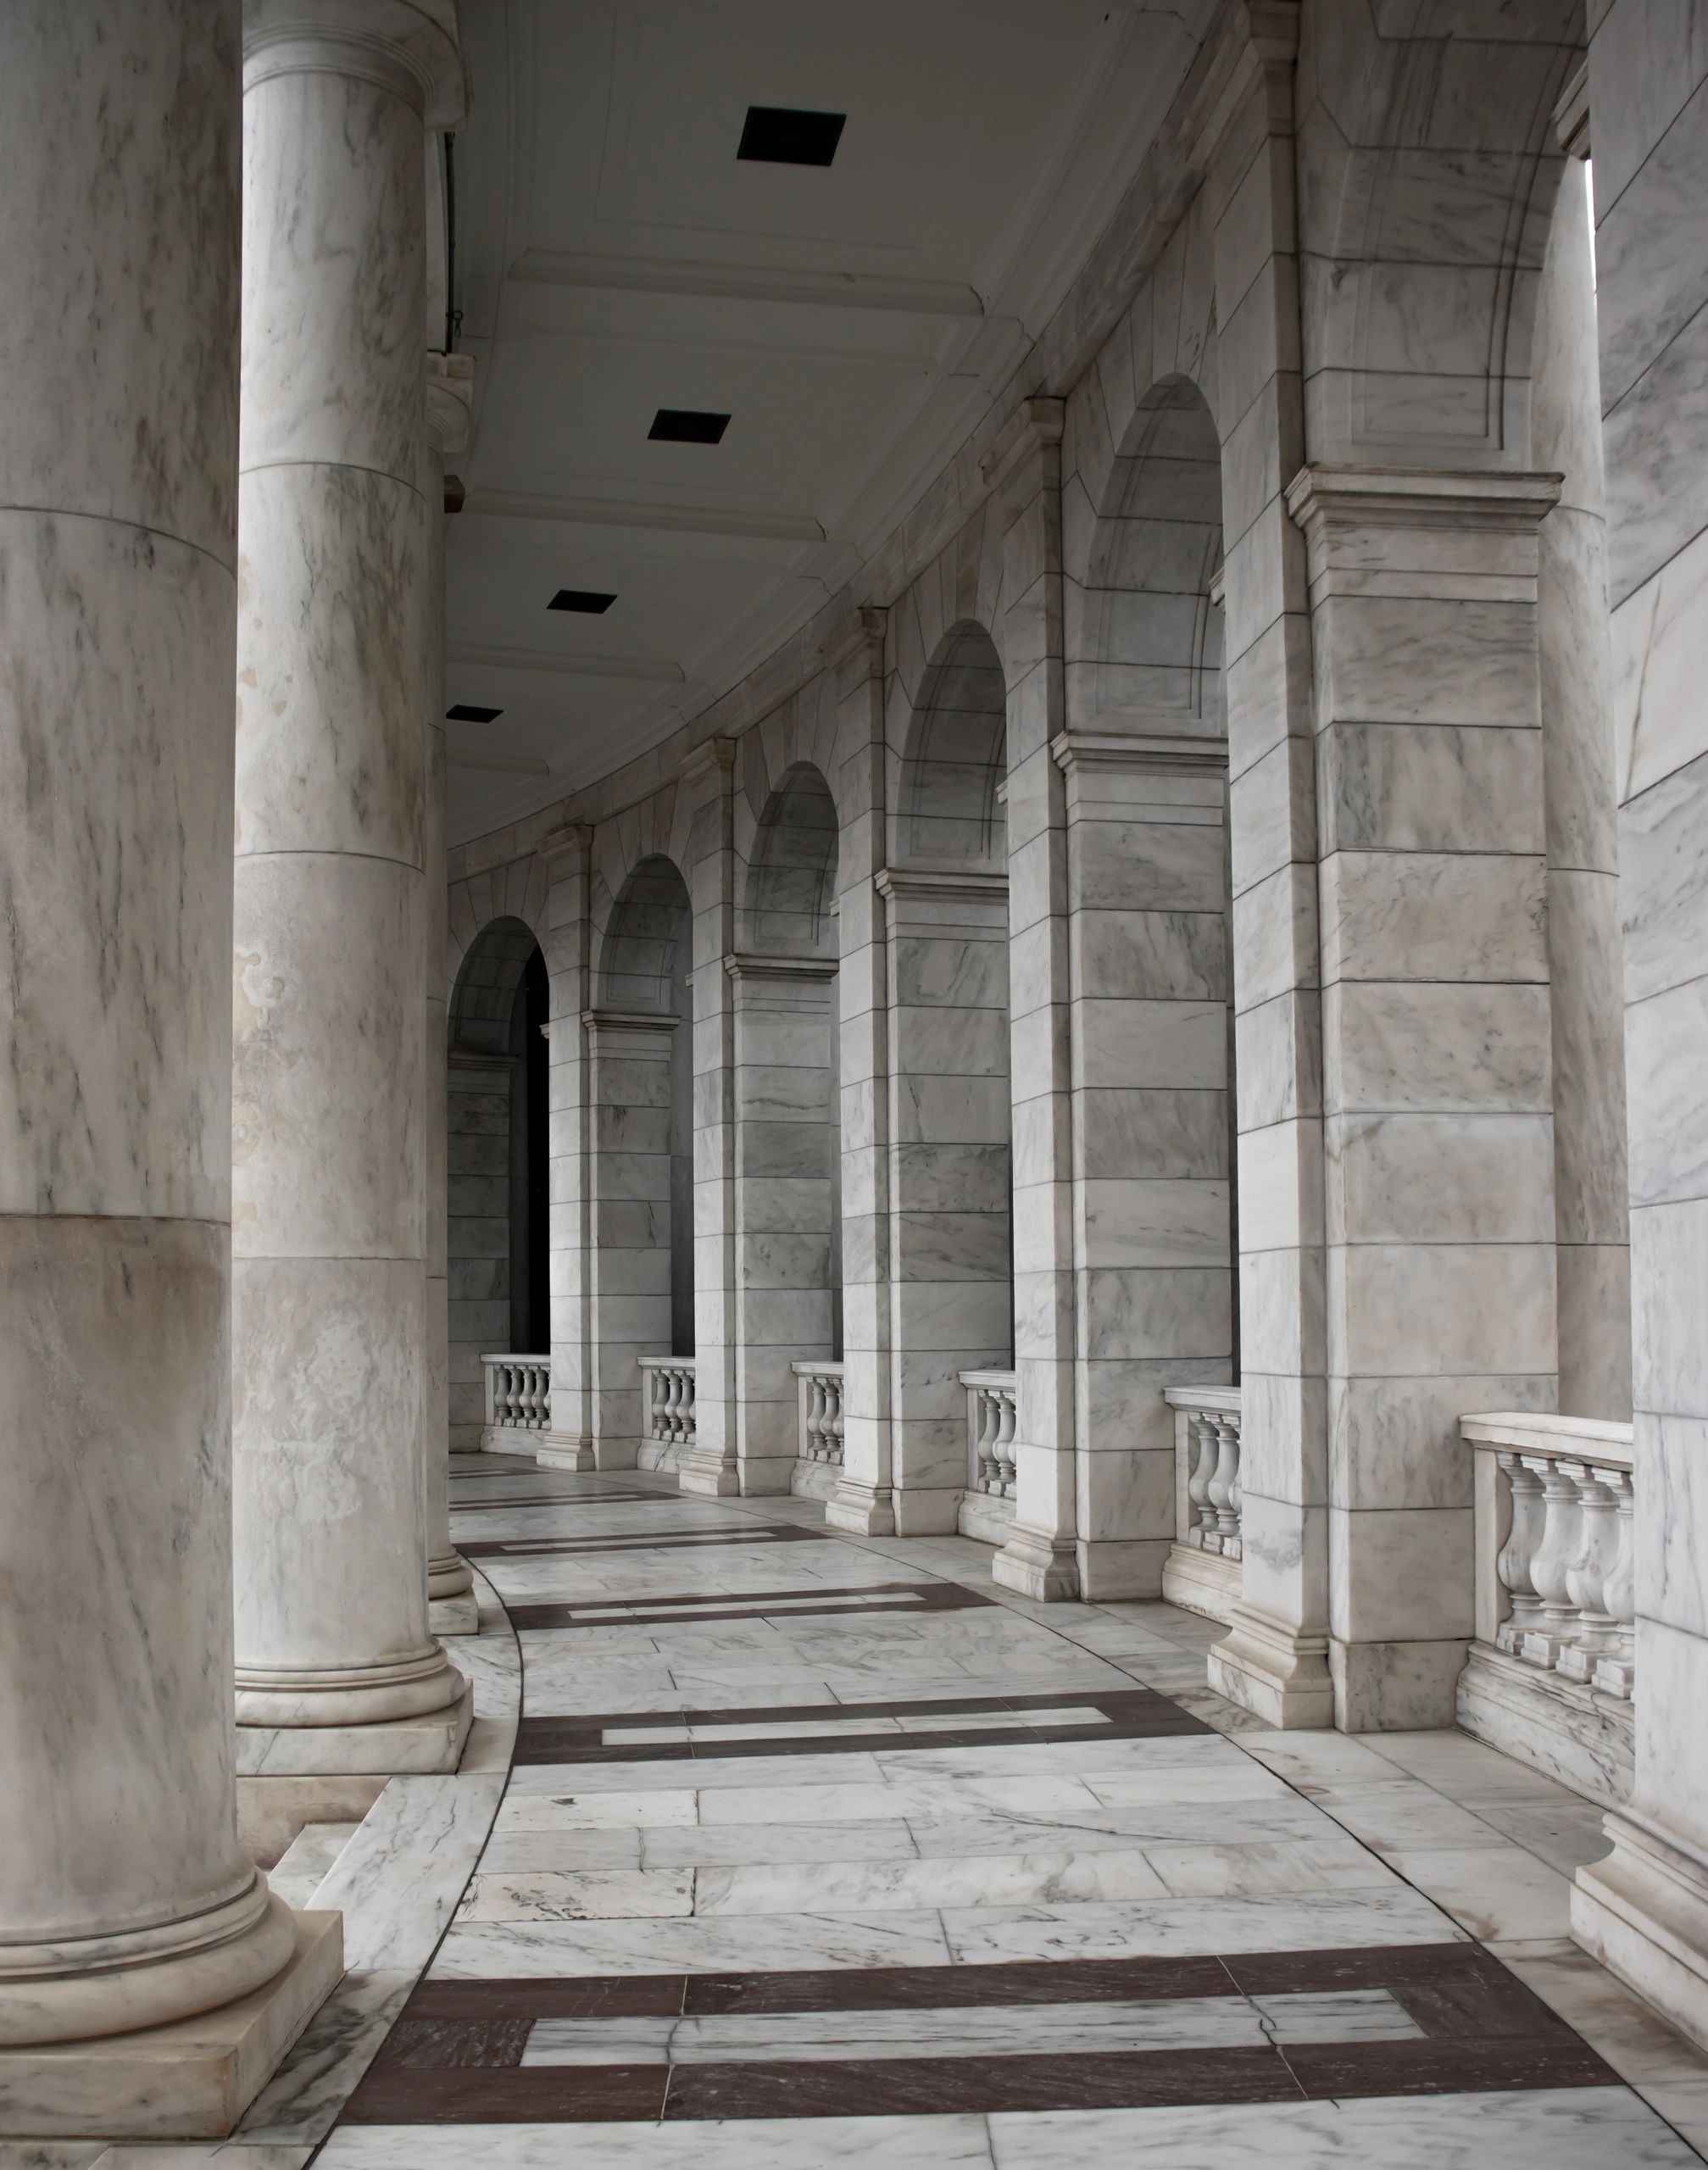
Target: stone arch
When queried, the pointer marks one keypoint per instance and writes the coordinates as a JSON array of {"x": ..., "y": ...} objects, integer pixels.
[
  {"x": 954, "y": 757},
  {"x": 1428, "y": 167},
  {"x": 483, "y": 992},
  {"x": 792, "y": 873},
  {"x": 1146, "y": 637},
  {"x": 639, "y": 967}
]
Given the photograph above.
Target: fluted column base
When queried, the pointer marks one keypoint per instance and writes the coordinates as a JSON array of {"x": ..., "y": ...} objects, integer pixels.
[{"x": 191, "y": 2078}]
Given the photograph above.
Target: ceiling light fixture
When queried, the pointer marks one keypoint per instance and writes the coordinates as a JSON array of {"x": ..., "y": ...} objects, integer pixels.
[
  {"x": 687, "y": 425},
  {"x": 784, "y": 136},
  {"x": 466, "y": 712},
  {"x": 583, "y": 600}
]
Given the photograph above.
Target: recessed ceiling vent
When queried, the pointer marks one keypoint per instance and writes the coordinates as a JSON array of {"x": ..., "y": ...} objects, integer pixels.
[
  {"x": 466, "y": 712},
  {"x": 686, "y": 425},
  {"x": 784, "y": 136},
  {"x": 581, "y": 598}
]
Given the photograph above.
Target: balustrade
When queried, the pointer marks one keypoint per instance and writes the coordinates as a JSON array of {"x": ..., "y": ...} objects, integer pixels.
[
  {"x": 821, "y": 1413},
  {"x": 519, "y": 1398},
  {"x": 1555, "y": 1603},
  {"x": 670, "y": 1385},
  {"x": 1202, "y": 1571},
  {"x": 990, "y": 1426}
]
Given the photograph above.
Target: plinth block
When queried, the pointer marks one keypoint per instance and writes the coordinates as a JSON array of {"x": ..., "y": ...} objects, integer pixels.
[
  {"x": 191, "y": 2080},
  {"x": 396, "y": 1747}
]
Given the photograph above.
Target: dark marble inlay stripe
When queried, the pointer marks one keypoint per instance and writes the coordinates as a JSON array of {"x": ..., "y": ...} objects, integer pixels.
[
  {"x": 545, "y": 1548},
  {"x": 390, "y": 2094},
  {"x": 1135, "y": 1714},
  {"x": 755, "y": 1604}
]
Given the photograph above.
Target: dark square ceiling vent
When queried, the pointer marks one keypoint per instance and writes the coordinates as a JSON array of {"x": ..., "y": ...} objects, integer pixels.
[
  {"x": 687, "y": 425},
  {"x": 466, "y": 712},
  {"x": 581, "y": 598},
  {"x": 783, "y": 135}
]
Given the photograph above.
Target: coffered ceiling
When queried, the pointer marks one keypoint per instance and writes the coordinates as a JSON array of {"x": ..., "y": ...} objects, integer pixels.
[{"x": 616, "y": 256}]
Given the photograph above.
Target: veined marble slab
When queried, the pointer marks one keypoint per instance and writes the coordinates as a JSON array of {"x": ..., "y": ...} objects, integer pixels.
[
  {"x": 1313, "y": 1921},
  {"x": 757, "y": 1943},
  {"x": 730, "y": 2144},
  {"x": 1551, "y": 2128},
  {"x": 982, "y": 2031}
]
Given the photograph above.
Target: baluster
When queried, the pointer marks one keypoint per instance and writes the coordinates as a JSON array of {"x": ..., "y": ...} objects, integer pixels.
[
  {"x": 1558, "y": 1622},
  {"x": 835, "y": 1422},
  {"x": 815, "y": 1421},
  {"x": 983, "y": 1461},
  {"x": 1008, "y": 1418},
  {"x": 687, "y": 1403},
  {"x": 1205, "y": 1451},
  {"x": 676, "y": 1428},
  {"x": 1224, "y": 1481},
  {"x": 1514, "y": 1564},
  {"x": 1232, "y": 1541},
  {"x": 1615, "y": 1674},
  {"x": 1586, "y": 1577}
]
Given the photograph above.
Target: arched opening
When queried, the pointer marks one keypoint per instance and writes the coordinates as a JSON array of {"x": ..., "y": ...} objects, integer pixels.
[
  {"x": 788, "y": 1137},
  {"x": 497, "y": 1167},
  {"x": 951, "y": 1189},
  {"x": 1151, "y": 907},
  {"x": 641, "y": 1051}
]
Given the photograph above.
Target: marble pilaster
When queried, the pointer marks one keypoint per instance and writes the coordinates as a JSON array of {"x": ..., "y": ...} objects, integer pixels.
[
  {"x": 126, "y": 1902},
  {"x": 1436, "y": 1076},
  {"x": 1643, "y": 1910},
  {"x": 452, "y": 1610},
  {"x": 1274, "y": 1659},
  {"x": 567, "y": 853},
  {"x": 337, "y": 1668}
]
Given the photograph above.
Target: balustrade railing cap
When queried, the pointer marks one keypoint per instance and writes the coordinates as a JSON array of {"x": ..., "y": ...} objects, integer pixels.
[
  {"x": 515, "y": 1360},
  {"x": 1572, "y": 1438},
  {"x": 1221, "y": 1401},
  {"x": 812, "y": 1368},
  {"x": 1002, "y": 1380}
]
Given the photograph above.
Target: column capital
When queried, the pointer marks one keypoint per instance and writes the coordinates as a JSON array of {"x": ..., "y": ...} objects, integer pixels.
[
  {"x": 409, "y": 48},
  {"x": 745, "y": 965},
  {"x": 1147, "y": 752},
  {"x": 613, "y": 1025},
  {"x": 450, "y": 401}
]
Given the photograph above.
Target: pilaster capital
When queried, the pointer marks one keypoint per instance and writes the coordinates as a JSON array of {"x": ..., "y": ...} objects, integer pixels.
[
  {"x": 748, "y": 964},
  {"x": 559, "y": 845},
  {"x": 410, "y": 47},
  {"x": 858, "y": 641},
  {"x": 1137, "y": 753},
  {"x": 646, "y": 1031},
  {"x": 1460, "y": 525},
  {"x": 1255, "y": 56},
  {"x": 713, "y": 757},
  {"x": 450, "y": 401}
]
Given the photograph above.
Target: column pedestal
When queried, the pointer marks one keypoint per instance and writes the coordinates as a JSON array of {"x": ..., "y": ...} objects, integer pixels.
[{"x": 1643, "y": 1911}]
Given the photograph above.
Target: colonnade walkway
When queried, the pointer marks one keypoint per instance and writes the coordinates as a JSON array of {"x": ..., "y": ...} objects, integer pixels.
[{"x": 815, "y": 1850}]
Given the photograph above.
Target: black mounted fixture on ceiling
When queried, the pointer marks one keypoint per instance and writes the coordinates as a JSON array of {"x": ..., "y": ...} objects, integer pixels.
[
  {"x": 467, "y": 712},
  {"x": 784, "y": 136},
  {"x": 584, "y": 600},
  {"x": 686, "y": 425}
]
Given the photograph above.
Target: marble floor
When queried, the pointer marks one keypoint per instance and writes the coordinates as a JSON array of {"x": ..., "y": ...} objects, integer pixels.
[{"x": 816, "y": 1849}]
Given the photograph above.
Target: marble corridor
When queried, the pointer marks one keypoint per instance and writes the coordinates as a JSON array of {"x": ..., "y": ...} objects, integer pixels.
[{"x": 814, "y": 1850}]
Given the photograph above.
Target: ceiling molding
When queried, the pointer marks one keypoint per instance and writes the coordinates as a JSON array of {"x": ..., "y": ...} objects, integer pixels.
[
  {"x": 748, "y": 282},
  {"x": 584, "y": 665},
  {"x": 620, "y": 512}
]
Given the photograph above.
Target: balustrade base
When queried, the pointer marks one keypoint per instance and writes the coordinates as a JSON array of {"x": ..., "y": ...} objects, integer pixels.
[
  {"x": 1036, "y": 1565},
  {"x": 815, "y": 1480},
  {"x": 860, "y": 1509},
  {"x": 1278, "y": 1676},
  {"x": 662, "y": 1457},
  {"x": 986, "y": 1517},
  {"x": 1569, "y": 1731},
  {"x": 454, "y": 1616},
  {"x": 511, "y": 1439},
  {"x": 397, "y": 1747},
  {"x": 191, "y": 2080},
  {"x": 1642, "y": 1912},
  {"x": 1204, "y": 1583},
  {"x": 561, "y": 1451}
]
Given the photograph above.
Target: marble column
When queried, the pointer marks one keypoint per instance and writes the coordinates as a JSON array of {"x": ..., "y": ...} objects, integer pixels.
[
  {"x": 450, "y": 1581},
  {"x": 1642, "y": 1910},
  {"x": 125, "y": 1901},
  {"x": 337, "y": 1669},
  {"x": 567, "y": 854}
]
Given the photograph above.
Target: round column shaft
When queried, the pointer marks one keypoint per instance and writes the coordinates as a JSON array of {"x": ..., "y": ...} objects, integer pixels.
[
  {"x": 330, "y": 1140},
  {"x": 450, "y": 388},
  {"x": 125, "y": 1901}
]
